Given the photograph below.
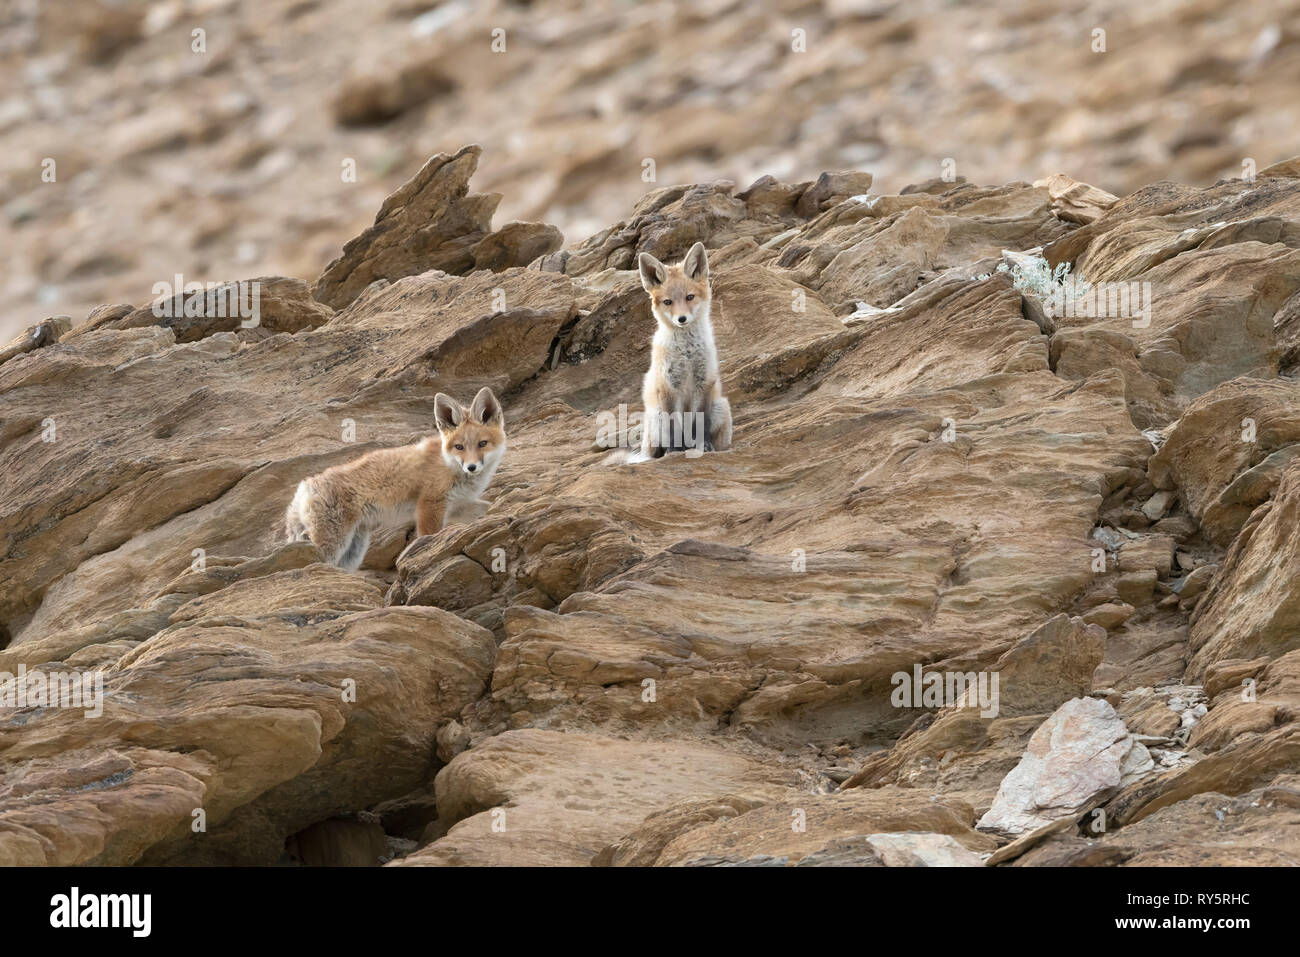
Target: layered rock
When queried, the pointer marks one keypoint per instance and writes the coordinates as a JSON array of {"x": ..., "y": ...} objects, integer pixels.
[
  {"x": 694, "y": 660},
  {"x": 252, "y": 713},
  {"x": 433, "y": 222}
]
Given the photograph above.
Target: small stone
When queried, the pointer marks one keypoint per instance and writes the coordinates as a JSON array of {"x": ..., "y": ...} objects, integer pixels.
[
  {"x": 1108, "y": 537},
  {"x": 1135, "y": 588},
  {"x": 1179, "y": 527},
  {"x": 1149, "y": 551},
  {"x": 1197, "y": 581},
  {"x": 1110, "y": 615},
  {"x": 1157, "y": 505}
]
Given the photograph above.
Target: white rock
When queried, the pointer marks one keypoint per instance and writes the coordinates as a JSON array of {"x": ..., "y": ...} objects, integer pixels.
[
  {"x": 1082, "y": 752},
  {"x": 922, "y": 849}
]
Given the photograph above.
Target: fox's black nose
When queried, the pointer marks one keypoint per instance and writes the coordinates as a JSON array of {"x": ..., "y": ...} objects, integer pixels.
[
  {"x": 472, "y": 467},
  {"x": 681, "y": 320}
]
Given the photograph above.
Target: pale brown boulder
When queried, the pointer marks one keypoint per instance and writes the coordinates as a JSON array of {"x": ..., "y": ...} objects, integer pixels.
[
  {"x": 1229, "y": 720},
  {"x": 1109, "y": 615},
  {"x": 668, "y": 221},
  {"x": 516, "y": 244},
  {"x": 881, "y": 260},
  {"x": 1258, "y": 828},
  {"x": 1229, "y": 674},
  {"x": 546, "y": 798},
  {"x": 1074, "y": 201},
  {"x": 432, "y": 222},
  {"x": 642, "y": 847},
  {"x": 832, "y": 188}
]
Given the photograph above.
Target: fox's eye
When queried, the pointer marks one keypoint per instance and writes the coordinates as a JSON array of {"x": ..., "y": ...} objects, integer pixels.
[
  {"x": 668, "y": 302},
  {"x": 690, "y": 296},
  {"x": 460, "y": 448},
  {"x": 483, "y": 444}
]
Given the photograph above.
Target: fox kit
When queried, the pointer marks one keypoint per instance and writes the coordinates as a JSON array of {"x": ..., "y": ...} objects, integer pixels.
[
  {"x": 683, "y": 399},
  {"x": 338, "y": 509}
]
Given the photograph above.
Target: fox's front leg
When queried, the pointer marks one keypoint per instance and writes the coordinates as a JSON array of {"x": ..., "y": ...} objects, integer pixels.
[
  {"x": 429, "y": 513},
  {"x": 652, "y": 424},
  {"x": 719, "y": 422}
]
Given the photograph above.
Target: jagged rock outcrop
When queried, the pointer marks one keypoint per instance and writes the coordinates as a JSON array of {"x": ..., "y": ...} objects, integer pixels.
[
  {"x": 672, "y": 662},
  {"x": 433, "y": 222}
]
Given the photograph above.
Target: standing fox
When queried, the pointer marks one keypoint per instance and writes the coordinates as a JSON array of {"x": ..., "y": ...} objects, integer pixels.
[
  {"x": 338, "y": 509},
  {"x": 683, "y": 399}
]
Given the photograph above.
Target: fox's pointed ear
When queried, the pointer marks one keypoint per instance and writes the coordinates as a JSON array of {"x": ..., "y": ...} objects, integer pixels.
[
  {"x": 486, "y": 408},
  {"x": 696, "y": 263},
  {"x": 447, "y": 412},
  {"x": 653, "y": 272}
]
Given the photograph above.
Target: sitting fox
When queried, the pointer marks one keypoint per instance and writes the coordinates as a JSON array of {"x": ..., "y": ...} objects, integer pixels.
[
  {"x": 339, "y": 508},
  {"x": 684, "y": 407}
]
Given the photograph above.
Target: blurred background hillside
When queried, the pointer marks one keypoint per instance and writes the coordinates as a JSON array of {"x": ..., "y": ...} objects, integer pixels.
[{"x": 211, "y": 137}]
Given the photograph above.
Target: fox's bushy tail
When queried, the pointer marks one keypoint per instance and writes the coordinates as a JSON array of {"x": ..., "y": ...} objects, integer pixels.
[
  {"x": 295, "y": 529},
  {"x": 624, "y": 457}
]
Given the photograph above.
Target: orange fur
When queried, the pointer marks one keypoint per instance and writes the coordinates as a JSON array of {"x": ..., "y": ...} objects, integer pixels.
[{"x": 426, "y": 481}]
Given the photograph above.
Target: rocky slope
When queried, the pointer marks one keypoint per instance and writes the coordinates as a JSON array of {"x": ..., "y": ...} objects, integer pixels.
[
  {"x": 693, "y": 660},
  {"x": 219, "y": 158}
]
